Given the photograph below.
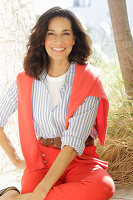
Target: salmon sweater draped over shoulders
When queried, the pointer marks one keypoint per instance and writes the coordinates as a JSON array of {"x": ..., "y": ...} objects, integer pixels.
[{"x": 86, "y": 83}]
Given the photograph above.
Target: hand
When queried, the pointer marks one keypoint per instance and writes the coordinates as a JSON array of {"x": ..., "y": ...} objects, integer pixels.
[{"x": 20, "y": 164}]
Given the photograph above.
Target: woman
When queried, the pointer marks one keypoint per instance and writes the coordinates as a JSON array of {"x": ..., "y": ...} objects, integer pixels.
[{"x": 62, "y": 108}]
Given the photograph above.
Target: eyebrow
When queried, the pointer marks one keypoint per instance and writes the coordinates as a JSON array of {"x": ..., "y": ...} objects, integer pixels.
[{"x": 63, "y": 30}]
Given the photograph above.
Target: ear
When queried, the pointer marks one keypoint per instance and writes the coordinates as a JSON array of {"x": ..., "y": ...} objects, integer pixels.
[{"x": 74, "y": 42}]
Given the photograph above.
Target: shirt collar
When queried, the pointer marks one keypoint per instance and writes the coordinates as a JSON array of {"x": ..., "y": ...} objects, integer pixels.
[{"x": 70, "y": 74}]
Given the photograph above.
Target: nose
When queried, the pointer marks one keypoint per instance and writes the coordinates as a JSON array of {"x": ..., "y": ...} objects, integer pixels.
[{"x": 58, "y": 39}]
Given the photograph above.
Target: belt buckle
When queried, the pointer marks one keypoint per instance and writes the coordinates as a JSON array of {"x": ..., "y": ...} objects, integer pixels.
[
  {"x": 49, "y": 141},
  {"x": 57, "y": 142}
]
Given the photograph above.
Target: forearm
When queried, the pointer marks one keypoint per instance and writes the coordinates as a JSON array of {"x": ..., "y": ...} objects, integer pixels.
[
  {"x": 59, "y": 166},
  {"x": 8, "y": 147}
]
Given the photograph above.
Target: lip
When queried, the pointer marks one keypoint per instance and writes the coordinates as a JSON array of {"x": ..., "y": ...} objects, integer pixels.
[{"x": 58, "y": 49}]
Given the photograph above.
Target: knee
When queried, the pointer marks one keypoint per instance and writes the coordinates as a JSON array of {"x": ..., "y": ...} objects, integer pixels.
[
  {"x": 100, "y": 188},
  {"x": 106, "y": 187},
  {"x": 99, "y": 185}
]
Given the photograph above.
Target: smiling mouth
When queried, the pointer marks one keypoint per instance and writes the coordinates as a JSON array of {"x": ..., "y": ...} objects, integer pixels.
[{"x": 58, "y": 49}]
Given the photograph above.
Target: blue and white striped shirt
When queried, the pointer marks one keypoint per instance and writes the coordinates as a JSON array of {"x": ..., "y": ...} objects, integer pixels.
[{"x": 50, "y": 123}]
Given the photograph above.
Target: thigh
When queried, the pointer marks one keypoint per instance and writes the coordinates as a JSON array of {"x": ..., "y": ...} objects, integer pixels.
[
  {"x": 93, "y": 173},
  {"x": 94, "y": 178},
  {"x": 79, "y": 171},
  {"x": 86, "y": 182},
  {"x": 30, "y": 180}
]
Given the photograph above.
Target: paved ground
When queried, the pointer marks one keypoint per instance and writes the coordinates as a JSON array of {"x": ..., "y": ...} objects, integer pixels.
[{"x": 123, "y": 194}]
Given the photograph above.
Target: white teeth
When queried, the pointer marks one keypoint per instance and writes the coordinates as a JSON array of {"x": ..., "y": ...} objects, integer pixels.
[{"x": 58, "y": 49}]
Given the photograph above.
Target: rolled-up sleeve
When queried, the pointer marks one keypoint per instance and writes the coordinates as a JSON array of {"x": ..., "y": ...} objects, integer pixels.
[
  {"x": 8, "y": 104},
  {"x": 80, "y": 125}
]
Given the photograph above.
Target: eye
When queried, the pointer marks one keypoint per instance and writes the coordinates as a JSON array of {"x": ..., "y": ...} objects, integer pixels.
[
  {"x": 66, "y": 33},
  {"x": 50, "y": 33}
]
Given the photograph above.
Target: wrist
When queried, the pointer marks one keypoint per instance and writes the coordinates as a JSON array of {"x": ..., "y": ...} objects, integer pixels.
[
  {"x": 18, "y": 163},
  {"x": 15, "y": 160},
  {"x": 42, "y": 187}
]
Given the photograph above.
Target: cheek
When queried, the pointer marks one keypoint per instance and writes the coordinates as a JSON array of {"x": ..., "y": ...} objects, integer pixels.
[
  {"x": 69, "y": 43},
  {"x": 47, "y": 42}
]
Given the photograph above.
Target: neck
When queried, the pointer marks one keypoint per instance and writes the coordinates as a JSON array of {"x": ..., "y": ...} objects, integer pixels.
[{"x": 58, "y": 68}]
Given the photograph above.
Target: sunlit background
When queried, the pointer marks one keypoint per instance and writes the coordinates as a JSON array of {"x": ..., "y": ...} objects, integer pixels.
[
  {"x": 94, "y": 12},
  {"x": 95, "y": 17}
]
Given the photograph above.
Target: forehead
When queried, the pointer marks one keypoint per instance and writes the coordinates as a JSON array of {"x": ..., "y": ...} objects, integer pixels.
[{"x": 58, "y": 23}]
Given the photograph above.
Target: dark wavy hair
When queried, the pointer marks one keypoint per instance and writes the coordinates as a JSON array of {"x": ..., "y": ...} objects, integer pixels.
[{"x": 37, "y": 58}]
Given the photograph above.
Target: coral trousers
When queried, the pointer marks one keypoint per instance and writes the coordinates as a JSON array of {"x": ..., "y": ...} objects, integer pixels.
[{"x": 84, "y": 179}]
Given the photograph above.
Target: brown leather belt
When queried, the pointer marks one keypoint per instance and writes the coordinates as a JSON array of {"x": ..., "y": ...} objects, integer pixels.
[{"x": 56, "y": 142}]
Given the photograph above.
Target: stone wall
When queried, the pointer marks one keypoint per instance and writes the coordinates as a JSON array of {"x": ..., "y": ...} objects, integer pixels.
[{"x": 17, "y": 17}]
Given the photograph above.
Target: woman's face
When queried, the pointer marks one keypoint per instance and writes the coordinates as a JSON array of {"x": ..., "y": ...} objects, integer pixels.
[{"x": 59, "y": 38}]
